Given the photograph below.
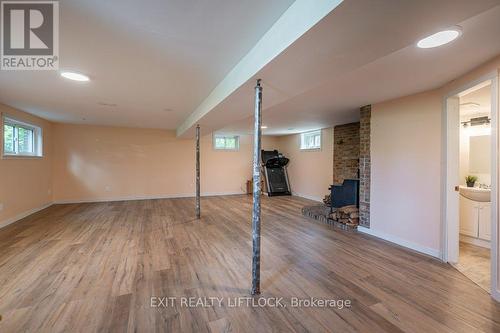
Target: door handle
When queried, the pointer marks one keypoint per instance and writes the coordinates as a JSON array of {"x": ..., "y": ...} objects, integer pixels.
[{"x": 457, "y": 188}]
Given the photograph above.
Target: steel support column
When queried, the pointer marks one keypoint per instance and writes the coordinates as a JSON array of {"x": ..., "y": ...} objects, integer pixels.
[
  {"x": 197, "y": 171},
  {"x": 256, "y": 191}
]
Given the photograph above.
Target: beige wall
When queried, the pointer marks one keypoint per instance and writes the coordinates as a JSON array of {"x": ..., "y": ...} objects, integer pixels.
[
  {"x": 310, "y": 172},
  {"x": 102, "y": 163},
  {"x": 92, "y": 163},
  {"x": 25, "y": 183},
  {"x": 406, "y": 169}
]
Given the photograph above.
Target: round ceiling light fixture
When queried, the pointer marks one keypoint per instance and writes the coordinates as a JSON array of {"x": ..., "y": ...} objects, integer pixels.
[
  {"x": 440, "y": 38},
  {"x": 75, "y": 76}
]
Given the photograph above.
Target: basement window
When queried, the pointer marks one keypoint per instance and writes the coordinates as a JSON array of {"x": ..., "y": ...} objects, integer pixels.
[
  {"x": 226, "y": 142},
  {"x": 310, "y": 140},
  {"x": 21, "y": 139}
]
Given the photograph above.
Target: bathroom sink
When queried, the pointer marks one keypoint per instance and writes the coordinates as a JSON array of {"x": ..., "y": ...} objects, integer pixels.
[{"x": 476, "y": 193}]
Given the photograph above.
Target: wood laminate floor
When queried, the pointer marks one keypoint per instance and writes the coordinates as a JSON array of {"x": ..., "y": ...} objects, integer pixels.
[
  {"x": 475, "y": 263},
  {"x": 95, "y": 267}
]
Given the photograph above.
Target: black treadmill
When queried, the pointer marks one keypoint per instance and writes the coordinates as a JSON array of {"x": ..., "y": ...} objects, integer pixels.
[{"x": 274, "y": 165}]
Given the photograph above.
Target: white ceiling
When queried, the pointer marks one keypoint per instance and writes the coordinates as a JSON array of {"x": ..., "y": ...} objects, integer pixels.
[
  {"x": 156, "y": 60},
  {"x": 363, "y": 52},
  {"x": 476, "y": 103}
]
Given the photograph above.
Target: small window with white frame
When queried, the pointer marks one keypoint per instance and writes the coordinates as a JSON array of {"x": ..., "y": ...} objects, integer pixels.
[
  {"x": 310, "y": 140},
  {"x": 21, "y": 138},
  {"x": 226, "y": 142}
]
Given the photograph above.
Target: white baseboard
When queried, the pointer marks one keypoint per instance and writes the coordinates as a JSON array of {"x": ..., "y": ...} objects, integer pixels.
[
  {"x": 146, "y": 197},
  {"x": 496, "y": 295},
  {"x": 475, "y": 241},
  {"x": 310, "y": 197},
  {"x": 402, "y": 242},
  {"x": 23, "y": 215}
]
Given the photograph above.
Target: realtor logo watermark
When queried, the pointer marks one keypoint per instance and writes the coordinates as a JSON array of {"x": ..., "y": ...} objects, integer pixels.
[
  {"x": 249, "y": 302},
  {"x": 29, "y": 35}
]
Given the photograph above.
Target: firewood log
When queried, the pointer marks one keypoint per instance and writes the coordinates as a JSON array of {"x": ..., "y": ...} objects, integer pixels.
[
  {"x": 348, "y": 209},
  {"x": 354, "y": 220}
]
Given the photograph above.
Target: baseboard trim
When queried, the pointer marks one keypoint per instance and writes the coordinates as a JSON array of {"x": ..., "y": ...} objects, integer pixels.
[
  {"x": 401, "y": 242},
  {"x": 305, "y": 196},
  {"x": 496, "y": 295},
  {"x": 147, "y": 197},
  {"x": 475, "y": 241},
  {"x": 23, "y": 215}
]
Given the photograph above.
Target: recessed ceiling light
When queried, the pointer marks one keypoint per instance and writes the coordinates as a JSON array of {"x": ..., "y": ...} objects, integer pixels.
[
  {"x": 75, "y": 76},
  {"x": 440, "y": 38},
  {"x": 263, "y": 127}
]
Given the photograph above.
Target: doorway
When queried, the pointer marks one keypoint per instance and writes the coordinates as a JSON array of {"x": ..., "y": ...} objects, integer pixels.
[{"x": 470, "y": 190}]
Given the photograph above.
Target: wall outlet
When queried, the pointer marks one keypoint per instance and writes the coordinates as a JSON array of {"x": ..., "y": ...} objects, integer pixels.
[{"x": 107, "y": 188}]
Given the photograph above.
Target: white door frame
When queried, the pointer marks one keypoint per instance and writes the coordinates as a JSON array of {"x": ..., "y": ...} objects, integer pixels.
[{"x": 450, "y": 222}]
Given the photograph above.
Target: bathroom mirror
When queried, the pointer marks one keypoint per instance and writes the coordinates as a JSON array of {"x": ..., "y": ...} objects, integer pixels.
[{"x": 480, "y": 154}]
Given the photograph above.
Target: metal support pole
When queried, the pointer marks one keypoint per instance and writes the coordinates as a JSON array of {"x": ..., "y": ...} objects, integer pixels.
[
  {"x": 197, "y": 171},
  {"x": 256, "y": 191}
]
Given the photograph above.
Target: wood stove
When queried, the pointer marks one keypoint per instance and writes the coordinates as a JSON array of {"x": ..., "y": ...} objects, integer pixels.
[{"x": 346, "y": 194}]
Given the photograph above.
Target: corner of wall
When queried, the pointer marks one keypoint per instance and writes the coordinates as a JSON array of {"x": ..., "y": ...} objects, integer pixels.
[{"x": 365, "y": 165}]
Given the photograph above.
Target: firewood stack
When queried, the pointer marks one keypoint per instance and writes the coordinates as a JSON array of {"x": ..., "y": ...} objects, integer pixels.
[
  {"x": 348, "y": 215},
  {"x": 327, "y": 200}
]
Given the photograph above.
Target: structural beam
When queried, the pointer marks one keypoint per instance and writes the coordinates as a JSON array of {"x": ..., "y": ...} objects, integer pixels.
[
  {"x": 256, "y": 190},
  {"x": 197, "y": 209},
  {"x": 301, "y": 16}
]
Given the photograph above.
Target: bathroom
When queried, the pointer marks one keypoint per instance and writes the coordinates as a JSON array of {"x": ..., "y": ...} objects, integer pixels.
[{"x": 475, "y": 185}]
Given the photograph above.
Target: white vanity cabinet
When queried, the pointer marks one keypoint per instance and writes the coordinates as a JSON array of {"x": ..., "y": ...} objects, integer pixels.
[
  {"x": 485, "y": 220},
  {"x": 475, "y": 218},
  {"x": 469, "y": 217}
]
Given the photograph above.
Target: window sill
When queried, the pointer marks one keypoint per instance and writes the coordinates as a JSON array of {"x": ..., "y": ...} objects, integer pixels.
[
  {"x": 14, "y": 157},
  {"x": 311, "y": 149}
]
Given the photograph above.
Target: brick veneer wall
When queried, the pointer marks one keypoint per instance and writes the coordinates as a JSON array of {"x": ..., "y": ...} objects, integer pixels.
[
  {"x": 345, "y": 152},
  {"x": 364, "y": 166}
]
